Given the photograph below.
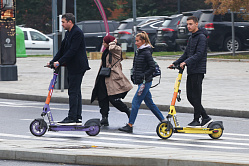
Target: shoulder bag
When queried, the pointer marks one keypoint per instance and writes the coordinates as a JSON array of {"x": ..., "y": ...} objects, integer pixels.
[{"x": 106, "y": 71}]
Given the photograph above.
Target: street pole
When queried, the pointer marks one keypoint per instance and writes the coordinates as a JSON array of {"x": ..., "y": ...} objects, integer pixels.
[
  {"x": 62, "y": 37},
  {"x": 54, "y": 31},
  {"x": 75, "y": 11},
  {"x": 179, "y": 6},
  {"x": 233, "y": 34},
  {"x": 54, "y": 27},
  {"x": 134, "y": 23}
]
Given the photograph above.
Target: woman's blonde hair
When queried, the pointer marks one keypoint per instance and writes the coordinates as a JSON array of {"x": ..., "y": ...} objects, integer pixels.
[{"x": 144, "y": 36}]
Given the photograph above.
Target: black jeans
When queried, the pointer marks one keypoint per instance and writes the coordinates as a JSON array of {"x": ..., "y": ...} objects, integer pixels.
[
  {"x": 194, "y": 92},
  {"x": 115, "y": 101},
  {"x": 75, "y": 99}
]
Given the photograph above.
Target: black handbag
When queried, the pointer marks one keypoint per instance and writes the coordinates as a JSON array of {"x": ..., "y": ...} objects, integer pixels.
[{"x": 106, "y": 71}]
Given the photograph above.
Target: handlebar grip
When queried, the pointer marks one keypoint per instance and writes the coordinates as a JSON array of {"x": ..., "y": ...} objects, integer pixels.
[{"x": 51, "y": 66}]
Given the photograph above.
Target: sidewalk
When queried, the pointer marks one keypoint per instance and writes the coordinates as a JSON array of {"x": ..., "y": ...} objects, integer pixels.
[
  {"x": 225, "y": 92},
  {"x": 225, "y": 86},
  {"x": 102, "y": 154}
]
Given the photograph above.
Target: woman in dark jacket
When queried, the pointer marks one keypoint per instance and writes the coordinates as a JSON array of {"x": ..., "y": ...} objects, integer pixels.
[
  {"x": 113, "y": 88},
  {"x": 143, "y": 67}
]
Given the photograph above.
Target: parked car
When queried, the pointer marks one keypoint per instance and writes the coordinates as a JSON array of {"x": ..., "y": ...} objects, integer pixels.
[
  {"x": 182, "y": 32},
  {"x": 219, "y": 29},
  {"x": 167, "y": 34},
  {"x": 94, "y": 32},
  {"x": 37, "y": 43},
  {"x": 150, "y": 28},
  {"x": 123, "y": 34}
]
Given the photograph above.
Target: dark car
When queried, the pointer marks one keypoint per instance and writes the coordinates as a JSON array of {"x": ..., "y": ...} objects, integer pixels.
[
  {"x": 182, "y": 32},
  {"x": 94, "y": 32},
  {"x": 219, "y": 29},
  {"x": 167, "y": 34},
  {"x": 125, "y": 30},
  {"x": 150, "y": 28}
]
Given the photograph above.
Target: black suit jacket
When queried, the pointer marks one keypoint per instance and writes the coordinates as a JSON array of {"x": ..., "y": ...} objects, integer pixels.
[{"x": 72, "y": 52}]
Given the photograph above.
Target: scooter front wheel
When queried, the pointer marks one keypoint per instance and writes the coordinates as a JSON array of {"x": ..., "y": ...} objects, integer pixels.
[
  {"x": 164, "y": 130},
  {"x": 96, "y": 129},
  {"x": 38, "y": 127}
]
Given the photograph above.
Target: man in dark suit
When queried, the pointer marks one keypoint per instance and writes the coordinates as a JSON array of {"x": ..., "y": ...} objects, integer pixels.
[{"x": 72, "y": 54}]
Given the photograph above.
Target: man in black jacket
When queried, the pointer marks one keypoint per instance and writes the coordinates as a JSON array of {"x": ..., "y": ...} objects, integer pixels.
[
  {"x": 72, "y": 54},
  {"x": 195, "y": 58}
]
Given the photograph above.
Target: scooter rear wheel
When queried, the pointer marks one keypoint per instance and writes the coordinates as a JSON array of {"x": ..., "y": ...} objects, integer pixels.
[
  {"x": 38, "y": 127},
  {"x": 164, "y": 130},
  {"x": 96, "y": 129},
  {"x": 217, "y": 126}
]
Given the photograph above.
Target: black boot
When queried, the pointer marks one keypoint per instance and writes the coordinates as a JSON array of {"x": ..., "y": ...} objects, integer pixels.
[{"x": 104, "y": 121}]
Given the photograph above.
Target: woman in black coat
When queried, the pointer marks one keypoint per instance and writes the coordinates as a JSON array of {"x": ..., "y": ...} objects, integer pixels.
[{"x": 143, "y": 68}]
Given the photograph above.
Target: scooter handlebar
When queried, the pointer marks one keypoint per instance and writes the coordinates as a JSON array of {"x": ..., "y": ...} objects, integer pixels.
[
  {"x": 175, "y": 67},
  {"x": 51, "y": 65}
]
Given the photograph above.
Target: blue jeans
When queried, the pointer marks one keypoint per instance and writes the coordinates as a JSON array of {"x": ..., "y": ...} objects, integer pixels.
[{"x": 146, "y": 96}]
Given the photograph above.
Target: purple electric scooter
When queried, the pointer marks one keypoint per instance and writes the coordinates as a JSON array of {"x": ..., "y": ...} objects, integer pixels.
[{"x": 38, "y": 127}]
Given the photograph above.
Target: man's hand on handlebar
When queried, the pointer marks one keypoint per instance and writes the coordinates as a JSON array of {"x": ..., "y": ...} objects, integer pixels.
[
  {"x": 56, "y": 64},
  {"x": 171, "y": 66},
  {"x": 182, "y": 65},
  {"x": 53, "y": 65}
]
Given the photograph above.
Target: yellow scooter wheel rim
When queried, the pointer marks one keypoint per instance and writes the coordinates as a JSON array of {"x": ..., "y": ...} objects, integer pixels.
[{"x": 164, "y": 130}]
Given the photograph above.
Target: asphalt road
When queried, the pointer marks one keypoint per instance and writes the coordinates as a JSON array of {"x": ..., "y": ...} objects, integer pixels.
[{"x": 16, "y": 117}]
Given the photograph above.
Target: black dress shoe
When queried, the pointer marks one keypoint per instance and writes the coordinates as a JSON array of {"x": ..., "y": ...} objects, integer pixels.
[
  {"x": 67, "y": 122},
  {"x": 104, "y": 121}
]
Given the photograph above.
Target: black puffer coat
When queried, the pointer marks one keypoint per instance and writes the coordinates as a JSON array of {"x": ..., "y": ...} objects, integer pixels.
[
  {"x": 143, "y": 65},
  {"x": 195, "y": 55}
]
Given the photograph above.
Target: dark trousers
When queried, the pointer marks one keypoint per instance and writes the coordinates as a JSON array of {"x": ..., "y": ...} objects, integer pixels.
[
  {"x": 115, "y": 101},
  {"x": 75, "y": 99},
  {"x": 194, "y": 92}
]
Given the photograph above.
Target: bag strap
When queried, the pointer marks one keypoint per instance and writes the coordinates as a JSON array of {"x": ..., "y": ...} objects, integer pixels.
[
  {"x": 115, "y": 63},
  {"x": 157, "y": 83}
]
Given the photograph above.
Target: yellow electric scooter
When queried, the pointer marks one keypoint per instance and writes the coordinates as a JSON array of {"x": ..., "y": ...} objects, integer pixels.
[{"x": 165, "y": 129}]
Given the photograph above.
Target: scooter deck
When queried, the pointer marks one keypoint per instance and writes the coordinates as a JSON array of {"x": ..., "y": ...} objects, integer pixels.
[
  {"x": 195, "y": 130},
  {"x": 70, "y": 128}
]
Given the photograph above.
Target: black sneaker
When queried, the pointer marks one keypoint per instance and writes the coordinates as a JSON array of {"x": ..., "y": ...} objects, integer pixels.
[
  {"x": 104, "y": 121},
  {"x": 206, "y": 122},
  {"x": 79, "y": 122},
  {"x": 126, "y": 128},
  {"x": 67, "y": 122},
  {"x": 194, "y": 124}
]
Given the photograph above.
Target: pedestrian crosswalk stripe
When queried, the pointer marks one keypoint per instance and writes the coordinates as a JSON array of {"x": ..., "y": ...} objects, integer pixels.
[{"x": 145, "y": 140}]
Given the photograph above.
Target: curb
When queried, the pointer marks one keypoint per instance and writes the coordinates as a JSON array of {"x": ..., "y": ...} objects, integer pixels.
[
  {"x": 164, "y": 108},
  {"x": 104, "y": 159}
]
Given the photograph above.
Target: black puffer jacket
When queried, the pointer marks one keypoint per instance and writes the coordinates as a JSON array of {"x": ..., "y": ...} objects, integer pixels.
[
  {"x": 143, "y": 65},
  {"x": 195, "y": 55}
]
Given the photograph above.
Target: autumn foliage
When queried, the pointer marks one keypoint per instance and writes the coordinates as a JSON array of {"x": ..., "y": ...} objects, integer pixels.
[{"x": 222, "y": 6}]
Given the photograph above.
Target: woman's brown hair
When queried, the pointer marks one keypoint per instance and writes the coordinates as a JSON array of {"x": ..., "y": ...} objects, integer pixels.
[{"x": 144, "y": 36}]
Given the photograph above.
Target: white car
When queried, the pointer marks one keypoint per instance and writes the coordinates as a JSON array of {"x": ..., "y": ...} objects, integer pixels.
[{"x": 37, "y": 43}]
